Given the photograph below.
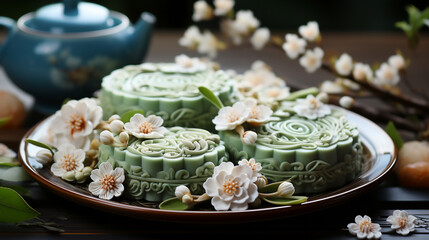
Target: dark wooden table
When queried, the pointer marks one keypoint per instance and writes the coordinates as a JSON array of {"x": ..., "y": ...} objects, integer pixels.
[{"x": 82, "y": 222}]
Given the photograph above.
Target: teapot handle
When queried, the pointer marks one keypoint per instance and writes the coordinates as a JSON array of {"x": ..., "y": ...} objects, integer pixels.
[{"x": 9, "y": 24}]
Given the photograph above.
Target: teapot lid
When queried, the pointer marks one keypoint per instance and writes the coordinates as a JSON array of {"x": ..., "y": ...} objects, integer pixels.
[{"x": 71, "y": 16}]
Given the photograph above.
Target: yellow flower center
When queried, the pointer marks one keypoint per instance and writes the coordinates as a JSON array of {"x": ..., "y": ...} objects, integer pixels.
[
  {"x": 232, "y": 116},
  {"x": 274, "y": 92},
  {"x": 311, "y": 61},
  {"x": 76, "y": 123},
  {"x": 388, "y": 74},
  {"x": 68, "y": 163},
  {"x": 402, "y": 222},
  {"x": 230, "y": 186},
  {"x": 256, "y": 80},
  {"x": 365, "y": 226},
  {"x": 108, "y": 183},
  {"x": 146, "y": 127},
  {"x": 255, "y": 112}
]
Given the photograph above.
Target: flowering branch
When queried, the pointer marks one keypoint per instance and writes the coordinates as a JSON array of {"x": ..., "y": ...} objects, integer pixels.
[{"x": 352, "y": 76}]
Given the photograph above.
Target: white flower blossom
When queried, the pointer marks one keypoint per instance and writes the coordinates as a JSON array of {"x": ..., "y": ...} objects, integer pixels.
[
  {"x": 6, "y": 152},
  {"x": 255, "y": 166},
  {"x": 271, "y": 94},
  {"x": 249, "y": 137},
  {"x": 364, "y": 228},
  {"x": 107, "y": 183},
  {"x": 259, "y": 114},
  {"x": 222, "y": 7},
  {"x": 208, "y": 44},
  {"x": 228, "y": 28},
  {"x": 142, "y": 127},
  {"x": 75, "y": 123},
  {"x": 260, "y": 38},
  {"x": 257, "y": 78},
  {"x": 362, "y": 72},
  {"x": 294, "y": 46},
  {"x": 344, "y": 65},
  {"x": 67, "y": 159},
  {"x": 245, "y": 22},
  {"x": 44, "y": 156},
  {"x": 312, "y": 59},
  {"x": 228, "y": 118},
  {"x": 191, "y": 38},
  {"x": 311, "y": 108},
  {"x": 310, "y": 31},
  {"x": 231, "y": 187},
  {"x": 397, "y": 61},
  {"x": 332, "y": 87},
  {"x": 402, "y": 222},
  {"x": 202, "y": 11},
  {"x": 189, "y": 65},
  {"x": 386, "y": 75}
]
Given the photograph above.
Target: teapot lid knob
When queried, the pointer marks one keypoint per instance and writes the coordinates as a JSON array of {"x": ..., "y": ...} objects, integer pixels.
[{"x": 70, "y": 7}]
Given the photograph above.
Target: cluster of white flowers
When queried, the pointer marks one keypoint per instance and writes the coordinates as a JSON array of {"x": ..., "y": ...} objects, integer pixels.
[
  {"x": 75, "y": 123},
  {"x": 73, "y": 133},
  {"x": 311, "y": 107},
  {"x": 262, "y": 84},
  {"x": 386, "y": 75},
  {"x": 235, "y": 187},
  {"x": 400, "y": 221},
  {"x": 243, "y": 24},
  {"x": 232, "y": 117},
  {"x": 295, "y": 47},
  {"x": 204, "y": 43}
]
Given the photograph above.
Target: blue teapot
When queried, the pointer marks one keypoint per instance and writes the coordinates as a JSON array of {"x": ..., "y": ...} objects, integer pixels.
[{"x": 63, "y": 50}]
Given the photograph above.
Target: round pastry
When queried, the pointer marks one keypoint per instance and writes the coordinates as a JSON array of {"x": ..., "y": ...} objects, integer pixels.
[
  {"x": 155, "y": 167},
  {"x": 315, "y": 154},
  {"x": 169, "y": 90}
]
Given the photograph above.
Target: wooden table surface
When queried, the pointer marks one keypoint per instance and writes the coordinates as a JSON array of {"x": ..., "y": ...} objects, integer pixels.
[{"x": 82, "y": 222}]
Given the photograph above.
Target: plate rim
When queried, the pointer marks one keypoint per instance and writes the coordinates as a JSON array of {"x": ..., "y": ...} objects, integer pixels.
[{"x": 315, "y": 203}]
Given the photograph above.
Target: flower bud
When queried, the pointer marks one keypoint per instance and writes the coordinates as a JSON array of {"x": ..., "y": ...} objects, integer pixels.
[
  {"x": 116, "y": 126},
  {"x": 94, "y": 144},
  {"x": 323, "y": 97},
  {"x": 187, "y": 199},
  {"x": 69, "y": 176},
  {"x": 261, "y": 181},
  {"x": 87, "y": 171},
  {"x": 123, "y": 138},
  {"x": 44, "y": 156},
  {"x": 346, "y": 102},
  {"x": 114, "y": 117},
  {"x": 249, "y": 137},
  {"x": 182, "y": 191},
  {"x": 80, "y": 177},
  {"x": 106, "y": 137},
  {"x": 286, "y": 189}
]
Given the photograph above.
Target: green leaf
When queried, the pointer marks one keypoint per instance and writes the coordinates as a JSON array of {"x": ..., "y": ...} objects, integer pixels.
[
  {"x": 211, "y": 97},
  {"x": 394, "y": 134},
  {"x": 302, "y": 93},
  {"x": 14, "y": 174},
  {"x": 4, "y": 120},
  {"x": 125, "y": 117},
  {"x": 6, "y": 164},
  {"x": 40, "y": 144},
  {"x": 173, "y": 204},
  {"x": 14, "y": 208},
  {"x": 270, "y": 188},
  {"x": 19, "y": 189},
  {"x": 293, "y": 200}
]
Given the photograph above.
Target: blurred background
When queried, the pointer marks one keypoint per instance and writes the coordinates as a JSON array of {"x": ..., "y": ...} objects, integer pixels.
[{"x": 332, "y": 15}]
